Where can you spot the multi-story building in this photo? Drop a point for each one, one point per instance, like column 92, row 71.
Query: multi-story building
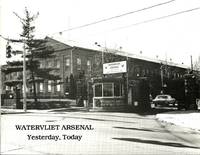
column 81, row 76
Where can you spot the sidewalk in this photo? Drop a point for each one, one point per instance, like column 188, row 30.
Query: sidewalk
column 21, row 111
column 188, row 119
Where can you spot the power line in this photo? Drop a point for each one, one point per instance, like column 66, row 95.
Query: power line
column 4, row 37
column 155, row 19
column 114, row 17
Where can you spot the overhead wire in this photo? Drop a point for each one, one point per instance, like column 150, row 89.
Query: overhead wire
column 158, row 18
column 151, row 20
column 114, row 17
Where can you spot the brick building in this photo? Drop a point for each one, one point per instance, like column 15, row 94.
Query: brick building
column 81, row 76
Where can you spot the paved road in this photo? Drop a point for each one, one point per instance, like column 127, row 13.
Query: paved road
column 114, row 133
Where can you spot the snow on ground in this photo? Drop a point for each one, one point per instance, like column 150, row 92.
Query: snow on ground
column 189, row 119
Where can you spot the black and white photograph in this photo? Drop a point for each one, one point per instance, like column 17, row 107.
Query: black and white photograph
column 107, row 77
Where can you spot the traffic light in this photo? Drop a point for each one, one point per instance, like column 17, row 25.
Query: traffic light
column 8, row 50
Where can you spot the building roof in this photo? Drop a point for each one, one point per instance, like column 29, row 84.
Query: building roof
column 94, row 47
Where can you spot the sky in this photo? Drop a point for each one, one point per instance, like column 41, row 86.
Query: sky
column 174, row 38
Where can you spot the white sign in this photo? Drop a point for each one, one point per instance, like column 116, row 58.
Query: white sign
column 114, row 67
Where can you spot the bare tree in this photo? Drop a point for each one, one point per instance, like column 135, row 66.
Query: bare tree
column 197, row 64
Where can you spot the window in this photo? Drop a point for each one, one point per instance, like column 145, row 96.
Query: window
column 49, row 63
column 19, row 75
column 98, row 90
column 8, row 77
column 57, row 63
column 31, row 88
column 107, row 89
column 98, row 60
column 89, row 65
column 14, row 75
column 174, row 75
column 42, row 64
column 78, row 60
column 11, row 76
column 67, row 62
column 41, row 87
column 7, row 88
column 49, row 86
column 58, row 85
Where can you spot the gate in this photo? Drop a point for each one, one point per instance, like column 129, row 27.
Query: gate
column 140, row 93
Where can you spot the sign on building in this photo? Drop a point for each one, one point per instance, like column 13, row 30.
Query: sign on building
column 115, row 67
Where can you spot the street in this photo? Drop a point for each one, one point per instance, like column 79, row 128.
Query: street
column 101, row 133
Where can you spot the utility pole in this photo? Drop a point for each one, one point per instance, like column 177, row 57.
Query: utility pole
column 24, row 77
column 71, row 60
column 161, row 76
column 102, row 57
column 161, row 73
column 0, row 86
column 191, row 63
column 127, row 80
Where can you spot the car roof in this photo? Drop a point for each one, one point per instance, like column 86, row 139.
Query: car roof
column 163, row 95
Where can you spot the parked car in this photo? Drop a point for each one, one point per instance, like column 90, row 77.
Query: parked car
column 165, row 101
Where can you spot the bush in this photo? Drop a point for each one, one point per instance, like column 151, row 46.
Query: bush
column 48, row 105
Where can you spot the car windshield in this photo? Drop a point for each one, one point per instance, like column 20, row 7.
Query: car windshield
column 162, row 97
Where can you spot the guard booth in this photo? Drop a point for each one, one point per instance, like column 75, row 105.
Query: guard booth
column 108, row 94
column 109, row 90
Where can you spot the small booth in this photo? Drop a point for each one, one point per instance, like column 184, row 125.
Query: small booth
column 109, row 89
column 108, row 94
